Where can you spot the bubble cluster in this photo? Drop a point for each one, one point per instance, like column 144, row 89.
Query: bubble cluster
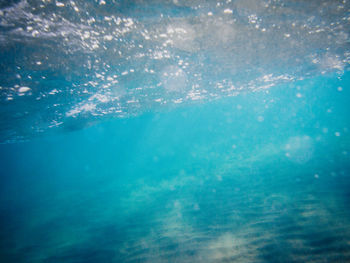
column 154, row 54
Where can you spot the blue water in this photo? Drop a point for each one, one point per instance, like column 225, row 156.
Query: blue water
column 241, row 155
column 206, row 183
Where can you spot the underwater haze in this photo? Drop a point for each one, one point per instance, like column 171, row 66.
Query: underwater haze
column 174, row 131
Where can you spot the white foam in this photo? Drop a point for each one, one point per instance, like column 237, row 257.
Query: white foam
column 23, row 89
column 108, row 37
column 174, row 78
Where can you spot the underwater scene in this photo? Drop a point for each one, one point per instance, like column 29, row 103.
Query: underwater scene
column 174, row 131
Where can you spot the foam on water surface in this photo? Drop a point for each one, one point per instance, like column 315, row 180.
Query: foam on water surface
column 115, row 59
column 174, row 131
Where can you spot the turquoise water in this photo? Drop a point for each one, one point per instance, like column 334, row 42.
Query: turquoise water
column 240, row 155
column 204, row 183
